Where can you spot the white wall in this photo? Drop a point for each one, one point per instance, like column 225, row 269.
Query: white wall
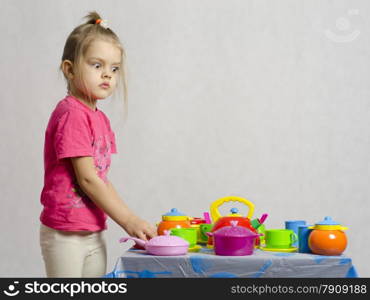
column 247, row 98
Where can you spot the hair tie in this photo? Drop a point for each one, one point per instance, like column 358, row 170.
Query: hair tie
column 102, row 23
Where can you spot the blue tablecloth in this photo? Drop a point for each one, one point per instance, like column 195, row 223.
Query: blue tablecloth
column 137, row 264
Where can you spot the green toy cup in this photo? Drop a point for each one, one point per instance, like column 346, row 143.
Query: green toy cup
column 280, row 238
column 204, row 228
column 189, row 234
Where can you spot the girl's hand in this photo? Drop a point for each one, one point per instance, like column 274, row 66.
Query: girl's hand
column 136, row 227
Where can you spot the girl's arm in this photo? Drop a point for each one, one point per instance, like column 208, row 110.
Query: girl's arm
column 105, row 197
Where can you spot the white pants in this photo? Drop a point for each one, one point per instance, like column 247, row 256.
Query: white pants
column 73, row 254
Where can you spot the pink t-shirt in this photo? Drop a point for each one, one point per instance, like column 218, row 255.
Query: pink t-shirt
column 74, row 129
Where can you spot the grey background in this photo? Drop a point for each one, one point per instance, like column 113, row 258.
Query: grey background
column 268, row 100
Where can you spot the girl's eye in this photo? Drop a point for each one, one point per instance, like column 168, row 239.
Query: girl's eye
column 96, row 65
column 115, row 69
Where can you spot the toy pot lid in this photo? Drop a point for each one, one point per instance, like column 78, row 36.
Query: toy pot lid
column 234, row 212
column 328, row 224
column 174, row 215
column 167, row 240
column 234, row 231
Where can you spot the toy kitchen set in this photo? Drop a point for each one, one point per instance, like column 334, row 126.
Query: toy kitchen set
column 238, row 235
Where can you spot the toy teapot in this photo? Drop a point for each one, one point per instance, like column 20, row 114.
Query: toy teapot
column 234, row 216
column 173, row 219
column 327, row 238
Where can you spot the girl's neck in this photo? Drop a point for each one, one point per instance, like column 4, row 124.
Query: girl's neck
column 91, row 104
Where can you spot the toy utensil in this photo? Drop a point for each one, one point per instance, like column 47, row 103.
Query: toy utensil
column 263, row 218
column 256, row 223
column 207, row 217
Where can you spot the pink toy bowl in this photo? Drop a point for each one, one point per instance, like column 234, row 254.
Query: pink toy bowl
column 234, row 240
column 162, row 245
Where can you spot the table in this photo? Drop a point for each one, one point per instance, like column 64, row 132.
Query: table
column 136, row 263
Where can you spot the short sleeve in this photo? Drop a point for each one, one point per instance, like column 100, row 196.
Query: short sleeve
column 73, row 136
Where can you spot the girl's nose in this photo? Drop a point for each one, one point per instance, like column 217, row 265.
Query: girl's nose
column 107, row 74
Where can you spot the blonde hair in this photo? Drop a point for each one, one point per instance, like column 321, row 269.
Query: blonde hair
column 79, row 41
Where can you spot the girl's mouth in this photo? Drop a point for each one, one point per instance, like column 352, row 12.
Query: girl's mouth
column 105, row 85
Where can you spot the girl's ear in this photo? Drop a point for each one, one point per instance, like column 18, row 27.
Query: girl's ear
column 67, row 68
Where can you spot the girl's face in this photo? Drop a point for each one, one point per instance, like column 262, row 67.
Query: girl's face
column 99, row 71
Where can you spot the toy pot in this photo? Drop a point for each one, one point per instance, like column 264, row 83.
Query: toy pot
column 220, row 221
column 327, row 238
column 164, row 245
column 173, row 219
column 233, row 240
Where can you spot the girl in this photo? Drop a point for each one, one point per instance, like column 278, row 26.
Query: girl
column 77, row 195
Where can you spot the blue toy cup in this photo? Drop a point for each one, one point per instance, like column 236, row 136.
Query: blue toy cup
column 303, row 234
column 293, row 225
